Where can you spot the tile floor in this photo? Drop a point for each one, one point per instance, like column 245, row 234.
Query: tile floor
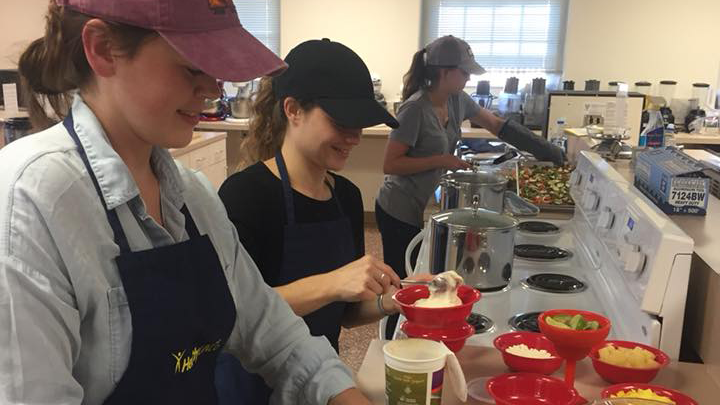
column 354, row 342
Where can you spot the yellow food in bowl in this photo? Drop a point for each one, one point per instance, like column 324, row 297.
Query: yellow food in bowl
column 643, row 394
column 622, row 356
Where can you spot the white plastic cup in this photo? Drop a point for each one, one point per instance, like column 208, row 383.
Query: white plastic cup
column 415, row 370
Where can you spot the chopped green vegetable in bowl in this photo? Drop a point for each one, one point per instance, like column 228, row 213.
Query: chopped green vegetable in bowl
column 577, row 322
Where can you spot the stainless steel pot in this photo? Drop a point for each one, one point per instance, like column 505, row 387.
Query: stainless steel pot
column 240, row 107
column 463, row 188
column 477, row 243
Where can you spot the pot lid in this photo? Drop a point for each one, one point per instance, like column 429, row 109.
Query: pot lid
column 475, row 177
column 475, row 219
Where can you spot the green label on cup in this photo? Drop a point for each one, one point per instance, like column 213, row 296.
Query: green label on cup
column 402, row 388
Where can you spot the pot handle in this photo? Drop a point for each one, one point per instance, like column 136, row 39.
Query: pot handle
column 408, row 252
column 518, row 206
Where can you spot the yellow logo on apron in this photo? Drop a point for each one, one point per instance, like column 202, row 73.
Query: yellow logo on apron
column 185, row 363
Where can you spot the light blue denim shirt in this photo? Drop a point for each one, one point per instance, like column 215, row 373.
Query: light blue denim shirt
column 65, row 327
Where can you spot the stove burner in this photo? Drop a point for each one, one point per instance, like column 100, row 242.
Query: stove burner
column 554, row 283
column 541, row 253
column 527, row 322
column 481, row 323
column 538, row 228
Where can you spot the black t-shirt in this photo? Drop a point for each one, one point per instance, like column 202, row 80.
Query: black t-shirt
column 254, row 201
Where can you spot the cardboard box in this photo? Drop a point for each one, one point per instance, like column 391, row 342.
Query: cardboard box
column 674, row 181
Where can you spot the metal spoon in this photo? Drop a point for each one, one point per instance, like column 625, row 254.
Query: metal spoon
column 438, row 283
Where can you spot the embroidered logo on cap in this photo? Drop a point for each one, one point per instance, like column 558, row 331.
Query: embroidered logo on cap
column 219, row 6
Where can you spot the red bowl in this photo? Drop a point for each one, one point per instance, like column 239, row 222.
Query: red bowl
column 532, row 340
column 677, row 397
column 531, row 389
column 435, row 317
column 454, row 338
column 574, row 344
column 619, row 374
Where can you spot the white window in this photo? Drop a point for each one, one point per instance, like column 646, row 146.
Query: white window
column 262, row 19
column 522, row 38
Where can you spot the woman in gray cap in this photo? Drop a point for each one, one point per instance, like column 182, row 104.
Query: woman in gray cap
column 420, row 150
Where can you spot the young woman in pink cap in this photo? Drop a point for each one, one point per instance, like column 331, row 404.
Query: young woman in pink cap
column 121, row 278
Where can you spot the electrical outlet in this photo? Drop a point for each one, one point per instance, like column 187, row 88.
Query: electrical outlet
column 593, row 120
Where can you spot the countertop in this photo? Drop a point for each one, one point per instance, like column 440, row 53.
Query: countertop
column 703, row 229
column 199, row 139
column 378, row 131
column 681, row 138
column 482, row 362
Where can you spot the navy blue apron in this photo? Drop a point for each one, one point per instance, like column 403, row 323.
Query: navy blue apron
column 308, row 249
column 182, row 314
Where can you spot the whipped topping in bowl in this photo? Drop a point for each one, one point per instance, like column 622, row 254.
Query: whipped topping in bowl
column 442, row 294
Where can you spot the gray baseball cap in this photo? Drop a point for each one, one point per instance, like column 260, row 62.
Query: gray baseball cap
column 452, row 52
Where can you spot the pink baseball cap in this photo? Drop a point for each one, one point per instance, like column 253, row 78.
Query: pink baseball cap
column 207, row 33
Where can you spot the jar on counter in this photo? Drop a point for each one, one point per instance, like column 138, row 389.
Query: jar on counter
column 16, row 128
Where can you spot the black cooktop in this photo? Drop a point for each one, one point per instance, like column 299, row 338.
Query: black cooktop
column 538, row 227
column 541, row 253
column 555, row 283
column 480, row 322
column 527, row 322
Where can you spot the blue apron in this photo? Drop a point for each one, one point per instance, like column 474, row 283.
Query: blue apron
column 181, row 310
column 308, row 249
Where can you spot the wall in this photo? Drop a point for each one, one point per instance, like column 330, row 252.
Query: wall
column 22, row 21
column 385, row 33
column 643, row 40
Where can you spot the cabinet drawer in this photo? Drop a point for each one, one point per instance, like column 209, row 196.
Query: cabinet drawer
column 217, row 151
column 216, row 173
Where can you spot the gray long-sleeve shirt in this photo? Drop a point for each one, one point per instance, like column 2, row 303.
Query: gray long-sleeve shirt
column 65, row 325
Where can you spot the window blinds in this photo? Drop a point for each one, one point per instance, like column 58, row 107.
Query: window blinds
column 516, row 35
column 262, row 19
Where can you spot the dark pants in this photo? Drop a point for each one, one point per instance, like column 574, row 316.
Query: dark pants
column 396, row 236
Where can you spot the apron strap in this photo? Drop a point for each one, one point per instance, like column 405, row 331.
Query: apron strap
column 118, row 232
column 190, row 226
column 287, row 190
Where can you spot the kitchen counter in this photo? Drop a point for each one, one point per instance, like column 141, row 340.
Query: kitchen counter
column 703, row 229
column 378, row 131
column 199, row 140
column 689, row 378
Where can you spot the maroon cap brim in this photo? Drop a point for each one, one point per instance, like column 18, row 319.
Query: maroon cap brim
column 230, row 54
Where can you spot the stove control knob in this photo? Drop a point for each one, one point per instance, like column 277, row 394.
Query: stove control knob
column 590, row 201
column 575, row 178
column 606, row 219
column 633, row 258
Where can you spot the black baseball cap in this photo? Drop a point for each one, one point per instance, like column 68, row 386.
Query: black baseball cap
column 336, row 79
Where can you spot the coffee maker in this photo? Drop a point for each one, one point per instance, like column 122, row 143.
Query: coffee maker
column 698, row 102
column 535, row 105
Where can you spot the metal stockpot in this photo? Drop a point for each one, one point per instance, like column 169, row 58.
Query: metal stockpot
column 463, row 188
column 477, row 243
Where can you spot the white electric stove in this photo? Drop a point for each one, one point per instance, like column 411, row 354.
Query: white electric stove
column 622, row 257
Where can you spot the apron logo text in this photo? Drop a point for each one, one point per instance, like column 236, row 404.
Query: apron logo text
column 185, row 363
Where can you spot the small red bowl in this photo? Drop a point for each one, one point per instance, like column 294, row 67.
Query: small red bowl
column 435, row 317
column 677, row 397
column 619, row 374
column 531, row 389
column 454, row 338
column 574, row 344
column 530, row 365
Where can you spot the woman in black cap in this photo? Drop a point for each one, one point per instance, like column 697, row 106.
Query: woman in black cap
column 301, row 223
column 420, row 150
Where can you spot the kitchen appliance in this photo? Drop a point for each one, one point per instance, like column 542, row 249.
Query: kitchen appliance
column 15, row 128
column 643, row 87
column 592, row 85
column 509, row 101
column 666, row 90
column 476, row 243
column 482, row 94
column 240, row 104
column 215, row 109
column 377, row 90
column 613, row 86
column 568, row 85
column 535, row 105
column 580, row 108
column 698, row 103
column 612, row 145
column 633, row 260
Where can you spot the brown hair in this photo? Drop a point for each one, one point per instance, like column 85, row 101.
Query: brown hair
column 268, row 125
column 55, row 65
column 420, row 76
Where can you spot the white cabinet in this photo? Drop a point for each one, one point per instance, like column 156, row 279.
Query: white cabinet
column 207, row 153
